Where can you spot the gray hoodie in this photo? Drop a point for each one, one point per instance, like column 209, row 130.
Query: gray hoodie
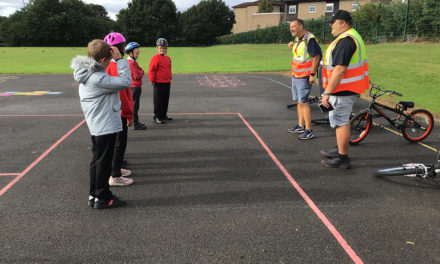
column 99, row 95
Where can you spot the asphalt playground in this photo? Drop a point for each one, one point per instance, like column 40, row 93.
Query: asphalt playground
column 222, row 183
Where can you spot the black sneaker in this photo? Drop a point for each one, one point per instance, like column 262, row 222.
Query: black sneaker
column 168, row 118
column 107, row 204
column 337, row 162
column 138, row 127
column 331, row 153
column 157, row 120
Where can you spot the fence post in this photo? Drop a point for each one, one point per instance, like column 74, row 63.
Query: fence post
column 406, row 21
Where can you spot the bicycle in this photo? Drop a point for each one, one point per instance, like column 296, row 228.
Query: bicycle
column 412, row 170
column 415, row 126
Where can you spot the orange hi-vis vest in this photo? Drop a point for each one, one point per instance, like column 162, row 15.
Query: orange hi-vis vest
column 302, row 62
column 356, row 77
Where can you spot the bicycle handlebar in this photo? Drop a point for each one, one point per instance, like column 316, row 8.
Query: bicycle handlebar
column 372, row 85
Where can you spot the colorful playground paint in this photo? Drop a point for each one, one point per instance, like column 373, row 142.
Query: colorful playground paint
column 220, row 81
column 34, row 93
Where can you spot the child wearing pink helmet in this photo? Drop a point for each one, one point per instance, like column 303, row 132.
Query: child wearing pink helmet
column 119, row 175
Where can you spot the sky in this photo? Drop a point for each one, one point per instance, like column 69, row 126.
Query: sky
column 7, row 7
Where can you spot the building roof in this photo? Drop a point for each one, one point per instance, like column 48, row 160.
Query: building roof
column 246, row 4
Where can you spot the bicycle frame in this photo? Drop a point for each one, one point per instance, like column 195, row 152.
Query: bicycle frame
column 378, row 108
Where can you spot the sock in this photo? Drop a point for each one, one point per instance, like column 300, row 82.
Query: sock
column 343, row 157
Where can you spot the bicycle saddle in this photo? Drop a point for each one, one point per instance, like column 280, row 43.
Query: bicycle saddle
column 407, row 104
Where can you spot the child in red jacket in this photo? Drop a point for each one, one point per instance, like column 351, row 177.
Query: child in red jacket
column 133, row 50
column 119, row 174
column 160, row 77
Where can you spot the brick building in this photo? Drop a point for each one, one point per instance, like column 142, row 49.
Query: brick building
column 307, row 9
column 247, row 17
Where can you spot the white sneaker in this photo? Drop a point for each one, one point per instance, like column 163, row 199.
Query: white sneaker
column 119, row 181
column 125, row 173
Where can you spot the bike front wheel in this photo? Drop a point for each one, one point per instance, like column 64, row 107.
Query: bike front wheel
column 418, row 125
column 360, row 126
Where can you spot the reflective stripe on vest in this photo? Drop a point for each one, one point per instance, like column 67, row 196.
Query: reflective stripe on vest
column 302, row 62
column 356, row 77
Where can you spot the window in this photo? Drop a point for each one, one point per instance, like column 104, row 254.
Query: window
column 355, row 6
column 329, row 8
column 312, row 8
column 292, row 9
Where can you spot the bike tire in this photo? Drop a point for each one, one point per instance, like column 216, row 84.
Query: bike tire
column 360, row 126
column 398, row 171
column 419, row 126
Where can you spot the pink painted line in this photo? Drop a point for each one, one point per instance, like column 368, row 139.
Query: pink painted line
column 180, row 114
column 50, row 115
column 9, row 174
column 306, row 198
column 33, row 164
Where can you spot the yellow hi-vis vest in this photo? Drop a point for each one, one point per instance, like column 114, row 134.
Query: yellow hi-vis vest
column 356, row 77
column 302, row 62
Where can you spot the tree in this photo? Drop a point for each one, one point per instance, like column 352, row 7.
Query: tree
column 55, row 23
column 202, row 23
column 264, row 6
column 145, row 21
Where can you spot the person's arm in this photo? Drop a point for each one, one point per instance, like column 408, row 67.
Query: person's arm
column 315, row 65
column 314, row 51
column 152, row 70
column 120, row 82
column 134, row 71
column 334, row 81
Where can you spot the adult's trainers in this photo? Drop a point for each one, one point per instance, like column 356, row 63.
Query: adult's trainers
column 306, row 134
column 125, row 172
column 119, row 181
column 296, row 130
column 107, row 204
column 331, row 153
column 337, row 162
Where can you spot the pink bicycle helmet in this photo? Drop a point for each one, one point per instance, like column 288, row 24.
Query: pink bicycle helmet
column 114, row 38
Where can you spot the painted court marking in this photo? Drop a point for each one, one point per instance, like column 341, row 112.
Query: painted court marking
column 289, row 177
column 34, row 93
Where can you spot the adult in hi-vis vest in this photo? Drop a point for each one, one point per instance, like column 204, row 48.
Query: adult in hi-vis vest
column 345, row 77
column 306, row 56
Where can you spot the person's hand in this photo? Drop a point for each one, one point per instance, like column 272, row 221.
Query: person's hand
column 153, row 83
column 129, row 123
column 324, row 100
column 290, row 45
column 116, row 55
column 312, row 79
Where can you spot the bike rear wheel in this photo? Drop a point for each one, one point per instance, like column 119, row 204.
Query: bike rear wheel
column 418, row 126
column 399, row 171
column 360, row 126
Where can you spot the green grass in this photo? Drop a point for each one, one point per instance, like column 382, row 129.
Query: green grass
column 411, row 69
